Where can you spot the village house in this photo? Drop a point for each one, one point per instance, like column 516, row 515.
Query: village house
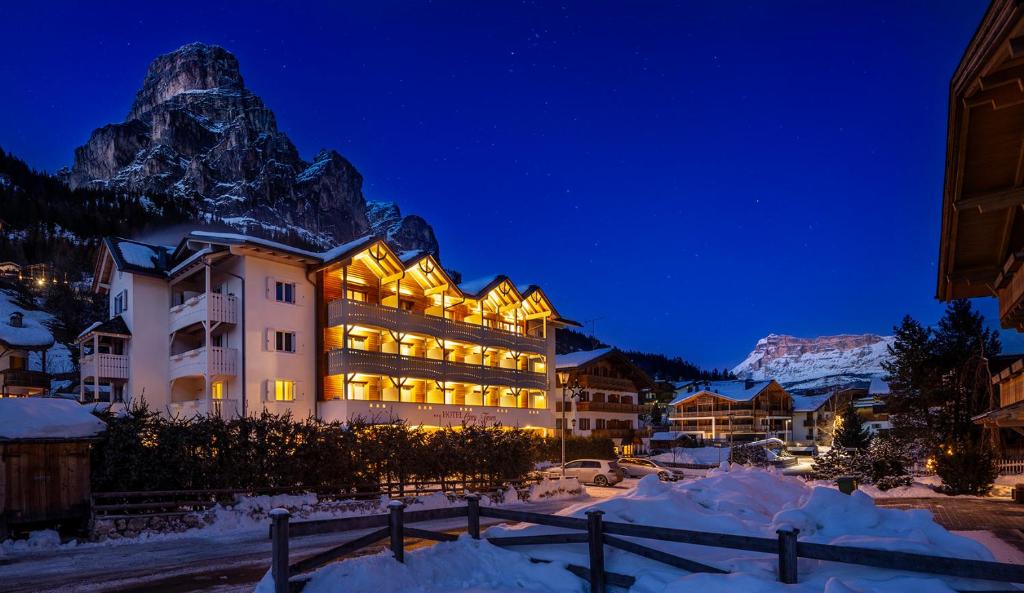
column 21, row 337
column 608, row 388
column 230, row 324
column 982, row 238
column 743, row 410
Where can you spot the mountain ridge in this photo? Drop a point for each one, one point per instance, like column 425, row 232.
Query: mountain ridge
column 807, row 364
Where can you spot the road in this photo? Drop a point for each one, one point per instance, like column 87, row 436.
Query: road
column 211, row 563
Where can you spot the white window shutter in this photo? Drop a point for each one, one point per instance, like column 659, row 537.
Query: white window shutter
column 268, row 339
column 298, row 390
column 270, row 288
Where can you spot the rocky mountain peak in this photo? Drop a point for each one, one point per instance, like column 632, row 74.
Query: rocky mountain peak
column 815, row 363
column 196, row 132
column 192, row 67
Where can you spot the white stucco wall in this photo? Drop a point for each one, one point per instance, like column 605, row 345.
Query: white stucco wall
column 148, row 350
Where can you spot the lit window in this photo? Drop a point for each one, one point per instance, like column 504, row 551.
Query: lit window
column 284, row 341
column 284, row 391
column 217, row 390
column 356, row 295
column 284, row 292
column 357, row 390
column 357, row 342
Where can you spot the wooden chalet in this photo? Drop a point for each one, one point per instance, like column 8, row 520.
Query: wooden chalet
column 736, row 410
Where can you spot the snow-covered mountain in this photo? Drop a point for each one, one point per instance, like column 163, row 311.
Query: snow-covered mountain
column 814, row 363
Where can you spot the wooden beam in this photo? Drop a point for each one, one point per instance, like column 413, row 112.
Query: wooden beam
column 393, row 277
column 540, row 315
column 440, row 288
column 990, row 201
column 1004, row 241
column 1013, row 74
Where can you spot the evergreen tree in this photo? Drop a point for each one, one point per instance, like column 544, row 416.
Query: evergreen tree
column 851, row 433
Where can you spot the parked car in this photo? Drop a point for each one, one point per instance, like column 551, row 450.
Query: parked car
column 637, row 467
column 589, row 471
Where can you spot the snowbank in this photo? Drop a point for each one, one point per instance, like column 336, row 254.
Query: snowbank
column 757, row 502
column 554, row 489
column 46, row 418
column 463, row 565
column 696, row 456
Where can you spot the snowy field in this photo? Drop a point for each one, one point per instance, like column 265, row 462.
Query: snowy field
column 742, row 501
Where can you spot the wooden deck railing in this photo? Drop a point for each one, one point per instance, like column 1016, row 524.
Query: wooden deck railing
column 354, row 360
column 598, row 533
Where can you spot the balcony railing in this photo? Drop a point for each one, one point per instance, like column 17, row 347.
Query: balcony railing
column 735, row 413
column 24, row 378
column 104, row 366
column 223, row 408
column 341, row 311
column 350, row 360
column 193, row 363
column 600, row 407
column 612, row 433
column 609, row 383
column 222, row 308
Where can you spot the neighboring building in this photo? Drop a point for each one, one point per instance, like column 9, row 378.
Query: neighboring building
column 814, row 415
column 610, row 387
column 230, row 324
column 738, row 410
column 10, row 270
column 982, row 234
column 21, row 336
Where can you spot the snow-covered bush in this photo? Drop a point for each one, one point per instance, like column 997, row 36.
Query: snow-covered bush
column 885, row 464
column 750, row 455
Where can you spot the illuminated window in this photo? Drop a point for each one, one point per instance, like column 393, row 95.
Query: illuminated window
column 356, row 390
column 217, row 390
column 356, row 295
column 284, row 390
column 358, row 342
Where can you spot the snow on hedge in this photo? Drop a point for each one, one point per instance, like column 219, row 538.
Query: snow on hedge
column 739, row 500
column 46, row 418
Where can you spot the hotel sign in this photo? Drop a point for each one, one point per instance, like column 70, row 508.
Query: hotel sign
column 445, row 417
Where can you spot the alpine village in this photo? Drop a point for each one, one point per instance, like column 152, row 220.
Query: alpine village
column 225, row 367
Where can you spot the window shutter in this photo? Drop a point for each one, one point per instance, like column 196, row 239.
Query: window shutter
column 298, row 390
column 270, row 288
column 268, row 339
column 268, row 385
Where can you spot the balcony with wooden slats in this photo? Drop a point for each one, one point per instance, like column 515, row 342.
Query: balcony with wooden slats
column 352, row 360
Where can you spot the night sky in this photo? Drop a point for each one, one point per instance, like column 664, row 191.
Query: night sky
column 691, row 176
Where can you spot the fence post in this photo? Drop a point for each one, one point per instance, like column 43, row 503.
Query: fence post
column 396, row 523
column 279, row 549
column 473, row 513
column 787, row 555
column 595, row 539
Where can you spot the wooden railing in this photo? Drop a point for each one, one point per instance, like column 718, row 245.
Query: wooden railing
column 353, row 360
column 222, row 308
column 598, row 533
column 600, row 407
column 1010, row 467
column 104, row 366
column 342, row 311
column 610, row 383
column 24, row 378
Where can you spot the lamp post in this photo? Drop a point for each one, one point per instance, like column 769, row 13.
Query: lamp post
column 563, row 382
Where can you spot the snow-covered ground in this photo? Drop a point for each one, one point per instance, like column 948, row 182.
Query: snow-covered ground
column 744, row 501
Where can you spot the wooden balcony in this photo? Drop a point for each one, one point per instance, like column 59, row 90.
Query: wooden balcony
column 104, row 366
column 24, row 379
column 350, row 360
column 222, row 309
column 722, row 414
column 609, row 383
column 193, row 363
column 342, row 311
column 612, row 407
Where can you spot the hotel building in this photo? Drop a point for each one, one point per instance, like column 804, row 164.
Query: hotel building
column 739, row 410
column 230, row 324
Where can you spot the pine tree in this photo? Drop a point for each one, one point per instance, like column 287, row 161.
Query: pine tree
column 851, row 433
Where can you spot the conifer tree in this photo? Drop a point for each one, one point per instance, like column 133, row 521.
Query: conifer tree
column 851, row 433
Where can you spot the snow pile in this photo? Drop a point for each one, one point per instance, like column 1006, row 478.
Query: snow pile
column 463, row 565
column 757, row 502
column 554, row 489
column 710, row 456
column 46, row 418
column 32, row 333
column 46, row 539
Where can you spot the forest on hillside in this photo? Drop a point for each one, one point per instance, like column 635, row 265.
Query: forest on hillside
column 657, row 366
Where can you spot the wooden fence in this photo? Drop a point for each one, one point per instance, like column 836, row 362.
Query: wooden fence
column 598, row 533
column 1010, row 467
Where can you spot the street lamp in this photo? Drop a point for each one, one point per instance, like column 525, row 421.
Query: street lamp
column 563, row 382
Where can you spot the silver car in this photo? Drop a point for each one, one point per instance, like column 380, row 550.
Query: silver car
column 590, row 471
column 637, row 467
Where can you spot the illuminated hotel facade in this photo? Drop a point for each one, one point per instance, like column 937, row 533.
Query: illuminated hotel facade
column 229, row 324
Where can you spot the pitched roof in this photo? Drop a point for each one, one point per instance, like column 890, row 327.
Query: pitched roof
column 481, row 286
column 138, row 257
column 810, row 403
column 115, row 326
column 738, row 391
column 878, row 387
column 577, row 359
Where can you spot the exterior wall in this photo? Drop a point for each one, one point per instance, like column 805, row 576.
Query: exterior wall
column 262, row 312
column 1011, row 390
column 148, row 350
column 801, row 432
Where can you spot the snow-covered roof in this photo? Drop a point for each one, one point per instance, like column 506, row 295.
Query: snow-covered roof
column 236, row 238
column 878, row 387
column 139, row 257
column 115, row 326
column 33, row 333
column 479, row 285
column 738, row 391
column 810, row 403
column 46, row 418
column 670, row 435
column 411, row 255
column 576, row 359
